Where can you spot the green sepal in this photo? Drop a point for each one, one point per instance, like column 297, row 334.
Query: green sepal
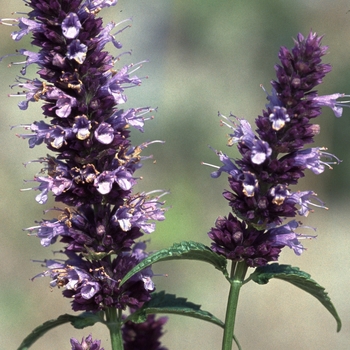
column 164, row 303
column 85, row 319
column 184, row 250
column 91, row 255
column 300, row 279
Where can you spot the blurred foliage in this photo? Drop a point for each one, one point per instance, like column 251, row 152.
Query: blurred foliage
column 204, row 56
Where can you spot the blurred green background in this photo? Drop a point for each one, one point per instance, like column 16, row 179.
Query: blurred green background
column 204, row 56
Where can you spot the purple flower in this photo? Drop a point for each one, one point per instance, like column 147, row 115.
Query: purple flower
column 330, row 101
column 77, row 51
column 303, row 199
column 273, row 159
column 137, row 212
column 309, row 158
column 279, row 117
column 86, row 344
column 285, row 236
column 71, row 26
column 26, row 25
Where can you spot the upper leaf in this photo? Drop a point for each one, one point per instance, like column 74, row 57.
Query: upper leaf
column 300, row 279
column 86, row 319
column 170, row 304
column 184, row 250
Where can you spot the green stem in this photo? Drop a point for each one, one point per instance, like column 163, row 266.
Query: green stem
column 114, row 326
column 238, row 271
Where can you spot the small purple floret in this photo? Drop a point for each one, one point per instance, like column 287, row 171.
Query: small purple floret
column 86, row 344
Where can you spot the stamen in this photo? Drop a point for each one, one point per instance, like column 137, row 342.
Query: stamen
column 4, row 21
column 210, row 165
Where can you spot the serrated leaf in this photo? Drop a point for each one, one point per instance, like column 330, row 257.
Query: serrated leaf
column 84, row 320
column 87, row 319
column 184, row 250
column 300, row 279
column 170, row 304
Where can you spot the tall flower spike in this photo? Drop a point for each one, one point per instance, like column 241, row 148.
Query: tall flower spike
column 275, row 158
column 92, row 167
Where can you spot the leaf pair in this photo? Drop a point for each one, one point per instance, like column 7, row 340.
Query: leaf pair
column 261, row 275
column 170, row 304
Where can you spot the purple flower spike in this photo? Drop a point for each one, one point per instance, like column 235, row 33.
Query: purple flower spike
column 274, row 158
column 81, row 86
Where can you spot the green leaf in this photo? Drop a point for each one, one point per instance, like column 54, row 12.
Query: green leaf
column 87, row 319
column 300, row 279
column 184, row 250
column 84, row 320
column 170, row 304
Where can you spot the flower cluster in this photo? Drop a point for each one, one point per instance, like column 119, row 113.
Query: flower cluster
column 86, row 344
column 144, row 335
column 274, row 158
column 91, row 171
